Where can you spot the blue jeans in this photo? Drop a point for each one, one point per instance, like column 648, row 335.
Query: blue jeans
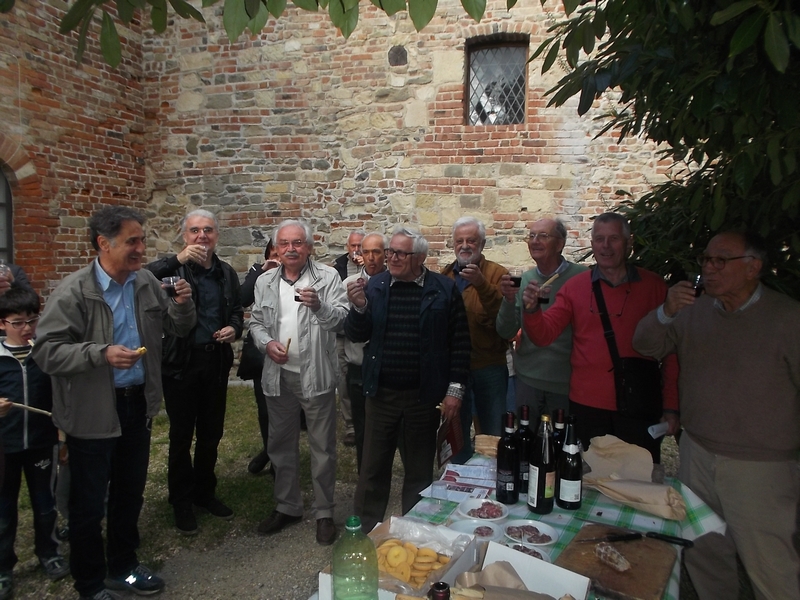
column 119, row 466
column 487, row 391
column 37, row 464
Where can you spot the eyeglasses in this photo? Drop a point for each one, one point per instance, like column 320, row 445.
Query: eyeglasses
column 597, row 312
column 718, row 262
column 543, row 237
column 206, row 230
column 401, row 254
column 20, row 324
column 293, row 243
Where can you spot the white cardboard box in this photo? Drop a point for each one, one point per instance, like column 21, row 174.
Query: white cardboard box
column 468, row 559
column 538, row 575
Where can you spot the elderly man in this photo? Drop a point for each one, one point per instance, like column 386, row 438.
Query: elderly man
column 347, row 265
column 416, row 357
column 195, row 370
column 628, row 294
column 373, row 250
column 739, row 351
column 298, row 307
column 542, row 372
column 100, row 339
column 478, row 281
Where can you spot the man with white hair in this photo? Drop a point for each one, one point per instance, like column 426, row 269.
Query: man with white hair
column 416, row 358
column 298, row 308
column 195, row 370
column 478, row 280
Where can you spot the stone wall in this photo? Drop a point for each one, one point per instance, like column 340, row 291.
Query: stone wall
column 299, row 122
column 295, row 122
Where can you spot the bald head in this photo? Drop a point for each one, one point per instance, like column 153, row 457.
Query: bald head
column 546, row 242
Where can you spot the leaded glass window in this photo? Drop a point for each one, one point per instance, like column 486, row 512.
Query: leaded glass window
column 496, row 84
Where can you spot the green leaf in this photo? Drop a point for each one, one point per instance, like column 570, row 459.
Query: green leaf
column 138, row 3
column 187, row 10
column 720, row 208
column 349, row 4
column 570, row 6
column 158, row 15
column 792, row 22
column 776, row 44
column 421, row 12
column 588, row 37
column 345, row 20
column 311, row 5
column 109, row 41
column 775, row 174
column 685, row 15
column 474, row 8
column 747, row 33
column 390, row 7
column 550, row 58
column 257, row 23
column 744, row 173
column 791, row 198
column 599, row 23
column 251, row 7
column 207, row 3
column 734, row 10
column 76, row 14
column 6, row 5
column 510, row 4
column 588, row 91
column 234, row 18
column 125, row 10
column 84, row 30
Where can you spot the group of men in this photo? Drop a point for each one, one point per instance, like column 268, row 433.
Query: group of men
column 418, row 346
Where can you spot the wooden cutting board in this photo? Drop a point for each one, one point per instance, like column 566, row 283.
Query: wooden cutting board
column 651, row 564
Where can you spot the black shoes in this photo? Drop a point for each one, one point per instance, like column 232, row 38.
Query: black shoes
column 215, row 508
column 326, row 531
column 259, row 462
column 185, row 521
column 55, row 567
column 349, row 439
column 277, row 521
column 141, row 581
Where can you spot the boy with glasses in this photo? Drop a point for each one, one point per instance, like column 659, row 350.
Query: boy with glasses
column 30, row 439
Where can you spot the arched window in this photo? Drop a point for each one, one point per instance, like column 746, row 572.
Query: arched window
column 496, row 79
column 6, row 245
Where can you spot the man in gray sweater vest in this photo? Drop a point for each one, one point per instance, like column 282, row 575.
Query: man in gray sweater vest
column 739, row 352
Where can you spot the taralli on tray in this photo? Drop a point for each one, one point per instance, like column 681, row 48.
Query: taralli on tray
column 407, row 562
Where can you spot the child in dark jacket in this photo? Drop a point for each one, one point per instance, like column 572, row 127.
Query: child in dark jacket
column 30, row 439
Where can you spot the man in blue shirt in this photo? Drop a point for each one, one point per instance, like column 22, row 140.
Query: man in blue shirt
column 100, row 339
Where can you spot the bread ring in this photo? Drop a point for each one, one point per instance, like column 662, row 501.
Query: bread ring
column 141, row 350
column 402, row 571
column 397, row 556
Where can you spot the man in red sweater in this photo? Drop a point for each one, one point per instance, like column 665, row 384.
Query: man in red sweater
column 629, row 293
column 739, row 348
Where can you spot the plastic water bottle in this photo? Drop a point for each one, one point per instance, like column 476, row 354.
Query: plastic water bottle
column 355, row 564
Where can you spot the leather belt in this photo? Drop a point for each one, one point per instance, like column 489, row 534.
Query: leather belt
column 205, row 347
column 131, row 390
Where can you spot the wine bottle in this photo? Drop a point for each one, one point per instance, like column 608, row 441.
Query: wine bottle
column 507, row 490
column 570, row 470
column 439, row 591
column 542, row 470
column 525, row 439
column 558, row 430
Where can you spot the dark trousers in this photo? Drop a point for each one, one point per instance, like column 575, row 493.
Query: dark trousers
column 591, row 422
column 117, row 466
column 395, row 416
column 355, row 386
column 37, row 464
column 485, row 398
column 196, row 408
column 263, row 415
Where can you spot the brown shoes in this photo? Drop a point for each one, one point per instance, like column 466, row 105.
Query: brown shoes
column 326, row 531
column 277, row 521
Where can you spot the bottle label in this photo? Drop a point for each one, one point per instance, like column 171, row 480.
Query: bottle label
column 570, row 491
column 505, row 481
column 549, row 484
column 523, row 469
column 533, row 484
column 571, row 448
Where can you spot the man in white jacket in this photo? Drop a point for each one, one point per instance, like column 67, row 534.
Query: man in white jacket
column 298, row 308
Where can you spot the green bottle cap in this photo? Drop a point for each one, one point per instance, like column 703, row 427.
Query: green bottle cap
column 353, row 522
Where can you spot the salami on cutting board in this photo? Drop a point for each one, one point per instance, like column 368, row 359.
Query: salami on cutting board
column 651, row 564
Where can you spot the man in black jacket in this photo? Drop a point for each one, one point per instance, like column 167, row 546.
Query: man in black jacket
column 195, row 370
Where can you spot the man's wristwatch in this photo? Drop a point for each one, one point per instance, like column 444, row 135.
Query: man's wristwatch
column 456, row 390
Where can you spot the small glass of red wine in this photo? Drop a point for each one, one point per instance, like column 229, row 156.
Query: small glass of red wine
column 169, row 285
column 544, row 294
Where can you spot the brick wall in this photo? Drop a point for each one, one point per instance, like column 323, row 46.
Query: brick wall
column 296, row 122
column 71, row 138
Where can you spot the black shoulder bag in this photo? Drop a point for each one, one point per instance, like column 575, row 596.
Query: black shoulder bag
column 637, row 380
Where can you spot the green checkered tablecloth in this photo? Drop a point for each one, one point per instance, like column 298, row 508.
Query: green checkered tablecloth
column 700, row 519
